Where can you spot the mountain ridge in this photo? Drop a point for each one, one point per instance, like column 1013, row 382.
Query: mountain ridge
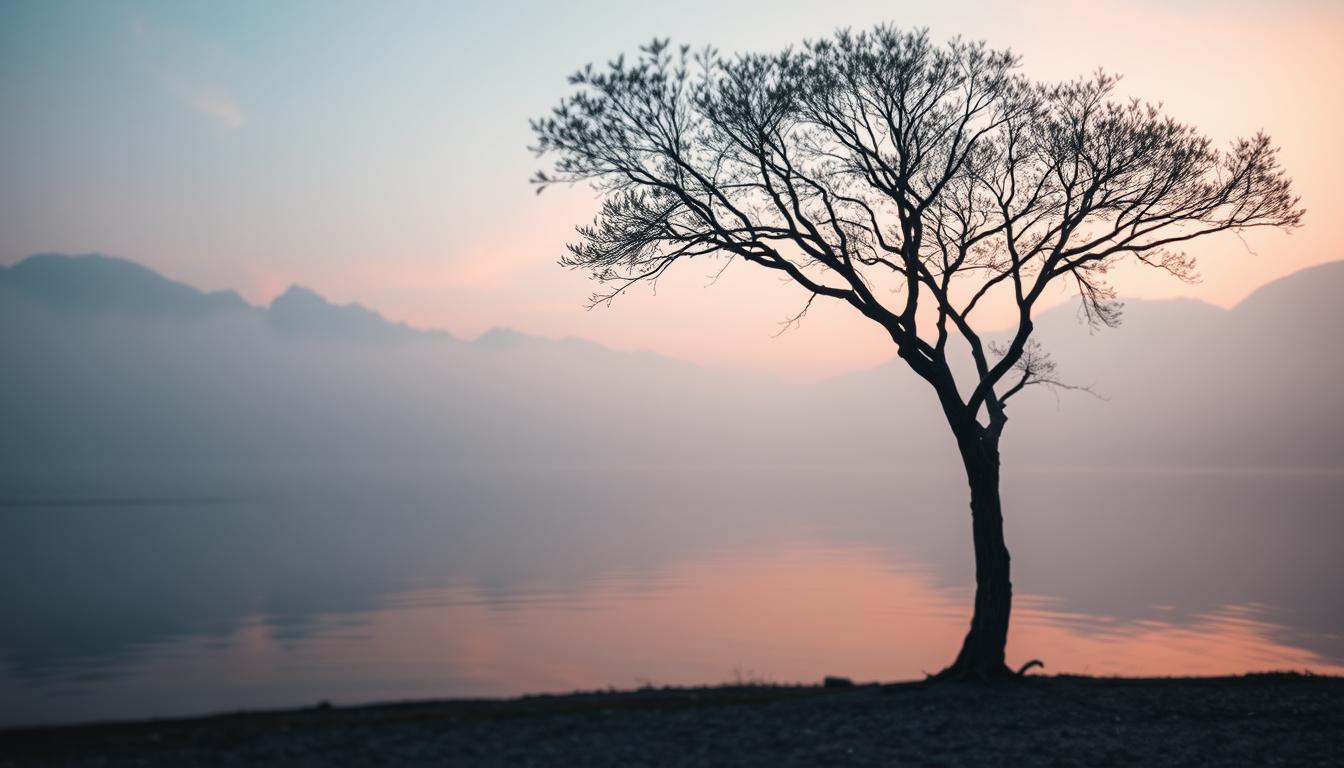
column 97, row 396
column 97, row 282
column 94, row 282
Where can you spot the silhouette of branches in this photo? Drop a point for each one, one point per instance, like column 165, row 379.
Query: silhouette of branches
column 908, row 179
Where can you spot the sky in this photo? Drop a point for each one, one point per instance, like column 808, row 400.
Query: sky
column 379, row 152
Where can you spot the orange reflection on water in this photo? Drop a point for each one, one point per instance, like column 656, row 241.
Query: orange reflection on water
column 790, row 616
column 786, row 615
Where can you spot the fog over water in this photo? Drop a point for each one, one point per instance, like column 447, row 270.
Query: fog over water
column 207, row 505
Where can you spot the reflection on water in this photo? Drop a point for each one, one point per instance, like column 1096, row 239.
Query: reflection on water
column 489, row 584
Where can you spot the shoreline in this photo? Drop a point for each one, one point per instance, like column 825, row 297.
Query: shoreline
column 1264, row 718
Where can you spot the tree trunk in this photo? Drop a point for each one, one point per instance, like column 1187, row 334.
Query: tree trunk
column 983, row 649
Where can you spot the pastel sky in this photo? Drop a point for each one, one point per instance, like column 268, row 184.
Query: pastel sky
column 377, row 152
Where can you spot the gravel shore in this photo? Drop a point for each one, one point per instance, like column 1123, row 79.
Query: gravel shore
column 1269, row 719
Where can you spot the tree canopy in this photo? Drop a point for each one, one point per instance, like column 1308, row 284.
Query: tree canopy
column 908, row 179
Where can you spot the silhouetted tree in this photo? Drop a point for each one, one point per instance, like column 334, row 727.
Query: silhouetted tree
column 911, row 181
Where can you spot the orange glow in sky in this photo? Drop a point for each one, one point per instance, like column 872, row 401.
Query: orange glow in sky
column 400, row 181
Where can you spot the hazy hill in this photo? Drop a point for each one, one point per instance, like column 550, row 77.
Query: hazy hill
column 1179, row 383
column 94, row 284
column 1187, row 383
column 112, row 375
column 127, row 387
column 300, row 312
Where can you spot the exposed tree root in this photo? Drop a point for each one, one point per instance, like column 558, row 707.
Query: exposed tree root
column 960, row 671
column 1022, row 670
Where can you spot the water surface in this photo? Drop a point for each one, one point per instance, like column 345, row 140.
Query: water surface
column 398, row 586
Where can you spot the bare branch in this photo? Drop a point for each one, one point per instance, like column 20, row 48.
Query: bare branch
column 904, row 178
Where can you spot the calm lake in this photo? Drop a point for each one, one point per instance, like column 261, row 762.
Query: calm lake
column 489, row 583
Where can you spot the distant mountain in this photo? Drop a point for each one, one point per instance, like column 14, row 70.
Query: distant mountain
column 301, row 311
column 1298, row 298
column 97, row 283
column 94, row 283
column 1178, row 383
column 136, row 379
column 112, row 375
column 501, row 338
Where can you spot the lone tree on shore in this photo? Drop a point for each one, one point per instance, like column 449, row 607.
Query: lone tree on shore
column 913, row 182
